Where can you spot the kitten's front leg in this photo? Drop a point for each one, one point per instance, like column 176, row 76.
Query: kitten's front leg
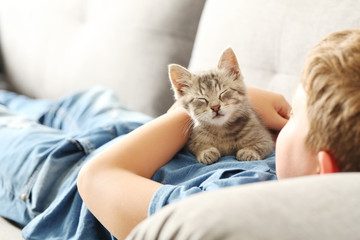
column 247, row 154
column 208, row 156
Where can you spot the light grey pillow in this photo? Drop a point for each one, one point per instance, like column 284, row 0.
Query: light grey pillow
column 315, row 207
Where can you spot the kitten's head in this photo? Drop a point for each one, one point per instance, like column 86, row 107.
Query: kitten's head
column 213, row 97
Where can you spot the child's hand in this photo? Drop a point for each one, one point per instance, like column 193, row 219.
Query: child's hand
column 271, row 107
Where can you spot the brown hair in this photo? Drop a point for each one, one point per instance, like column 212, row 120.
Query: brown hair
column 331, row 79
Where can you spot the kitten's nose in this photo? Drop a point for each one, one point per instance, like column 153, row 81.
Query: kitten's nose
column 215, row 108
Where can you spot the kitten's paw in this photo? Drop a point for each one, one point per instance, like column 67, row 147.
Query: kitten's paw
column 247, row 155
column 209, row 156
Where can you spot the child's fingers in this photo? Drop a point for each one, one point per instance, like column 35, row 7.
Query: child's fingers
column 277, row 121
column 283, row 109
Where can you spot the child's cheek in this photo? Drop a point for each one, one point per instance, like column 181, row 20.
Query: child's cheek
column 283, row 150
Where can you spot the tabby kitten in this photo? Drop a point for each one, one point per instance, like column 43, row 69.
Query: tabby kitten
column 224, row 121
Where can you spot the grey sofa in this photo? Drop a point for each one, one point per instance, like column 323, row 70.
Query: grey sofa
column 50, row 48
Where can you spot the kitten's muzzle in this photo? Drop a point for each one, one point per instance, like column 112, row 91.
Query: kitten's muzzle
column 216, row 108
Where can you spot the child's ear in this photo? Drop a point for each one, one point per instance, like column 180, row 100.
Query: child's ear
column 327, row 163
column 228, row 61
column 180, row 79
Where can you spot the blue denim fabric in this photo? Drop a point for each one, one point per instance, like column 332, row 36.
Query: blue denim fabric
column 43, row 145
column 184, row 176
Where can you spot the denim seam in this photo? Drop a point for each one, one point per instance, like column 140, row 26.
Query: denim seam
column 76, row 143
column 128, row 128
column 28, row 188
column 88, row 146
column 111, row 131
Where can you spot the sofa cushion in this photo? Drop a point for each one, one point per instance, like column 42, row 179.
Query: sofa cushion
column 315, row 207
column 271, row 38
column 51, row 48
column 9, row 231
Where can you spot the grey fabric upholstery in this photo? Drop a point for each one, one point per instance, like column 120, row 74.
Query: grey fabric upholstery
column 271, row 38
column 316, row 207
column 9, row 231
column 51, row 48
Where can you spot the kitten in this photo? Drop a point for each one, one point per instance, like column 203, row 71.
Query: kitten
column 224, row 121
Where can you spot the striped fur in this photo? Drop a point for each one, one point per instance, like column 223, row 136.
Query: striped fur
column 224, row 121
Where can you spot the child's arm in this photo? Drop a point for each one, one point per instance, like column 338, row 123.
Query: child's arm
column 271, row 107
column 115, row 185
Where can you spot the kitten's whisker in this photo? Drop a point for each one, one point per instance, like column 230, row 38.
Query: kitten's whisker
column 188, row 126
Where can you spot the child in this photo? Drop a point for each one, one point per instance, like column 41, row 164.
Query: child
column 44, row 144
column 322, row 136
column 329, row 99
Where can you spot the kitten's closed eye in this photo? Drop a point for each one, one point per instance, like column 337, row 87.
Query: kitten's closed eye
column 198, row 102
column 227, row 95
column 203, row 100
column 221, row 95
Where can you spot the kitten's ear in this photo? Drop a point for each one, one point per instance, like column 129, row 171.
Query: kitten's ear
column 229, row 62
column 180, row 79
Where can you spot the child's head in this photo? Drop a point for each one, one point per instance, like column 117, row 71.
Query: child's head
column 324, row 132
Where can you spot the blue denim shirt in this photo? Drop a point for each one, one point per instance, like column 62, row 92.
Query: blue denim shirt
column 184, row 176
column 43, row 145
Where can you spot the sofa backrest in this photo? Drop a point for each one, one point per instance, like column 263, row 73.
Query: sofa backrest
column 51, row 48
column 270, row 37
